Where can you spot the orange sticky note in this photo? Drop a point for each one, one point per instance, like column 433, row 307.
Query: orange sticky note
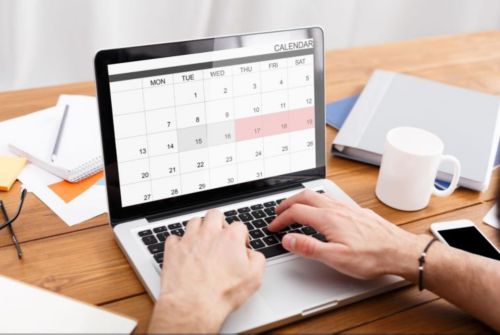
column 68, row 191
column 10, row 167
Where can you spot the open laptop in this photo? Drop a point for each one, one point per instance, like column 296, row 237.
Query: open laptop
column 235, row 123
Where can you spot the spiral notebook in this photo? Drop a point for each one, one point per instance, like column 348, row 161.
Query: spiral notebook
column 79, row 154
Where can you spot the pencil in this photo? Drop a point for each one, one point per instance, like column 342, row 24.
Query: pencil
column 59, row 132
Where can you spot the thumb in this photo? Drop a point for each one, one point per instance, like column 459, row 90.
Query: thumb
column 256, row 269
column 305, row 246
column 257, row 262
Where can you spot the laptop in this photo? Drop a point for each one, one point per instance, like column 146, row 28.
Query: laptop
column 235, row 123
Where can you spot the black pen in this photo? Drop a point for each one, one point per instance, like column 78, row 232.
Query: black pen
column 59, row 132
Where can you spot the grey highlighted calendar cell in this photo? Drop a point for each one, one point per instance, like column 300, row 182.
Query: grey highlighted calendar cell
column 221, row 133
column 192, row 138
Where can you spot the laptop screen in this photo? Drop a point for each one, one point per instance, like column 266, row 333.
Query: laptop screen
column 195, row 122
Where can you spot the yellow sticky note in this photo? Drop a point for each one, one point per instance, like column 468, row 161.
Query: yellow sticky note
column 10, row 167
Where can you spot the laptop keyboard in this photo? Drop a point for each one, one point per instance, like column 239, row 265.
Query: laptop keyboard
column 256, row 217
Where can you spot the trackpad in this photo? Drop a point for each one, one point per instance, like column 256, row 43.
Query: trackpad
column 293, row 286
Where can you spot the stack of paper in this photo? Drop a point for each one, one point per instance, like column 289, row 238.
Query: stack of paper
column 72, row 202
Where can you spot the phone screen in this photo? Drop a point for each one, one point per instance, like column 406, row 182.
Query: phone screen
column 471, row 240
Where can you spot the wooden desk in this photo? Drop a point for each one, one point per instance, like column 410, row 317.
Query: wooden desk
column 85, row 263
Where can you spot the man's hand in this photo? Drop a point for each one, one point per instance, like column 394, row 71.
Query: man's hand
column 207, row 274
column 360, row 243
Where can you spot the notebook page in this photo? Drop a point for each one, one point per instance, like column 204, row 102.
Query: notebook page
column 37, row 132
column 80, row 140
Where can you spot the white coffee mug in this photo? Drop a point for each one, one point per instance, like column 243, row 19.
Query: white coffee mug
column 409, row 166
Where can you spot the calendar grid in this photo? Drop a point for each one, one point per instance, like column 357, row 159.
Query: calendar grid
column 215, row 127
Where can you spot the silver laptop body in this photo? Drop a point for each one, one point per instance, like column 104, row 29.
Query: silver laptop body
column 236, row 123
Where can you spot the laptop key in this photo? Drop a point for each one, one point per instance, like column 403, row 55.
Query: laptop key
column 174, row 226
column 245, row 217
column 151, row 239
column 178, row 232
column 256, row 207
column 145, row 233
column 231, row 219
column 309, row 230
column 320, row 191
column 160, row 229
column 267, row 232
column 249, row 226
column 272, row 251
column 270, row 219
column 279, row 201
column 185, row 223
column 158, row 257
column 269, row 204
column 259, row 223
column 296, row 226
column 320, row 237
column 244, row 210
column 164, row 234
column 230, row 213
column 280, row 236
column 257, row 244
column 256, row 233
column 258, row 214
column 270, row 240
column 270, row 211
column 156, row 248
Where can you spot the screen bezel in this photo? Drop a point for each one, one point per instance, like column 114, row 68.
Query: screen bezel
column 119, row 214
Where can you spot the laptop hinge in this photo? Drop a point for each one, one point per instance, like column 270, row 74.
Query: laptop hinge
column 225, row 201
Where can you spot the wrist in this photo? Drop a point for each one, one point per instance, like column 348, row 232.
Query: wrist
column 404, row 255
column 177, row 313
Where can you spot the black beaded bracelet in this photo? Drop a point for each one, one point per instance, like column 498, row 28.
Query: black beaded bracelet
column 421, row 262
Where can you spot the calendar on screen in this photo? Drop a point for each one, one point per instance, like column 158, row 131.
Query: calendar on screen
column 190, row 123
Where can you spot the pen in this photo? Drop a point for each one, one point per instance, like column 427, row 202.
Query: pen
column 59, row 132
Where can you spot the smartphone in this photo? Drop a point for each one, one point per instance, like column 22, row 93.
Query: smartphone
column 463, row 234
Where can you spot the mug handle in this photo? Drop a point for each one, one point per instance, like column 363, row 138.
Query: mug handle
column 454, row 180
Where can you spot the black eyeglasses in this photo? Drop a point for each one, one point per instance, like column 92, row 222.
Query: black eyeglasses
column 9, row 221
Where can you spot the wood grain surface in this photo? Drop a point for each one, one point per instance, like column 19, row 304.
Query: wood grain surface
column 85, row 263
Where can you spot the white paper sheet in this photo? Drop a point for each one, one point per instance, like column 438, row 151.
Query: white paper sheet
column 89, row 204
column 29, row 309
column 491, row 218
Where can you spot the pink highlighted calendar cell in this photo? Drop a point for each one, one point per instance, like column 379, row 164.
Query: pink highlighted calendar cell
column 248, row 128
column 301, row 119
column 274, row 123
